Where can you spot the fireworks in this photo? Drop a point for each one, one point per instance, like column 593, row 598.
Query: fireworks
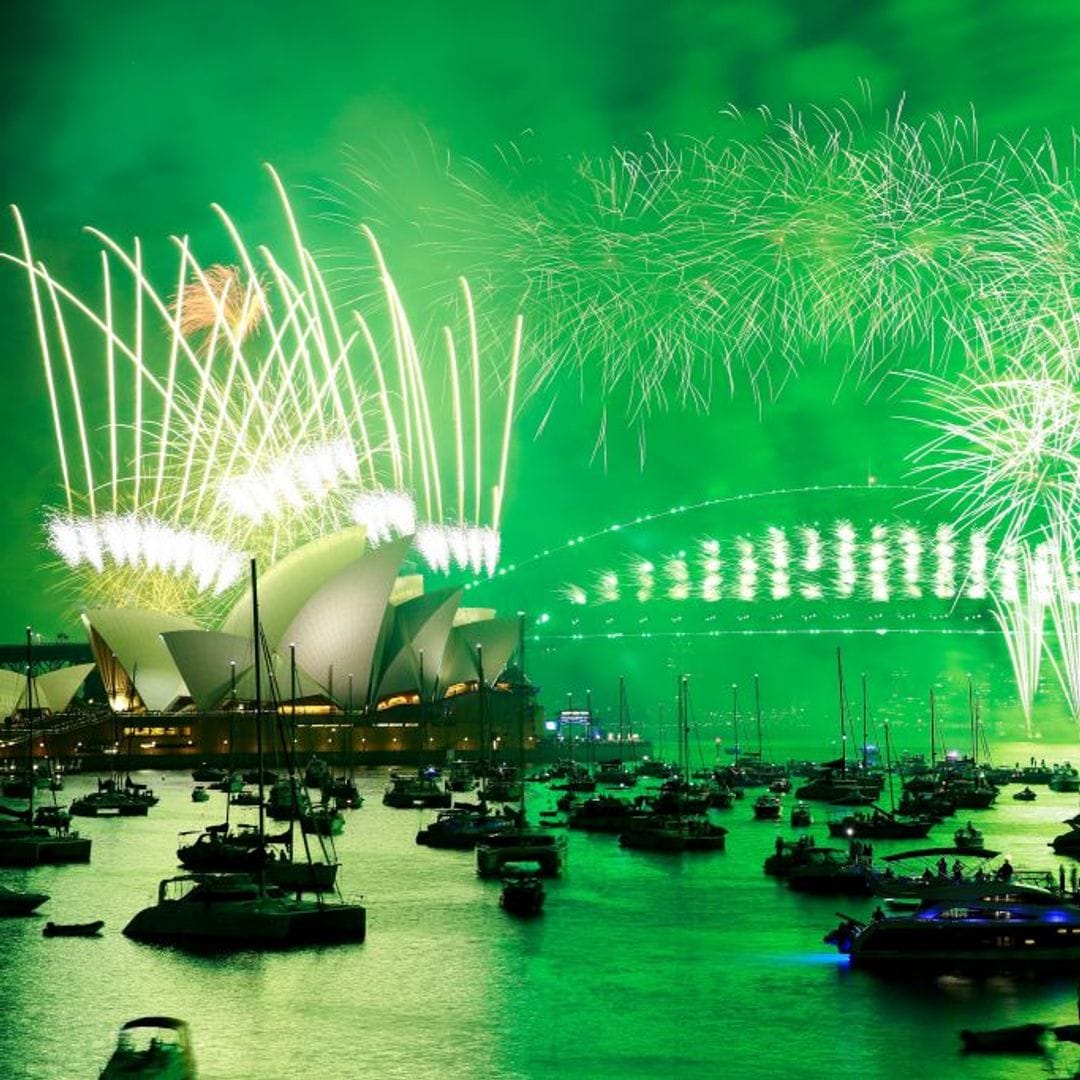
column 235, row 424
column 219, row 298
column 661, row 274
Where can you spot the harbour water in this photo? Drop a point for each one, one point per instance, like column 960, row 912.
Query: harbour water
column 642, row 965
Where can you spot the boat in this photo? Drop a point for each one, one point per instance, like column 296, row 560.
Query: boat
column 323, row 820
column 801, row 816
column 800, row 852
column 14, row 903
column 113, row 800
column 679, row 828
column 1025, row 794
column 614, row 772
column 1019, row 1039
column 876, row 823
column 245, row 797
column 200, row 794
column 767, row 808
column 991, row 933
column 343, row 792
column 602, row 813
column 825, row 871
column 406, row 791
column 26, row 844
column 968, row 838
column 1064, row 778
column 208, row 774
column 655, row 832
column 546, row 849
column 287, row 800
column 152, row 1048
column 238, row 911
column 834, row 782
column 462, row 828
column 227, row 849
column 89, row 929
column 1068, row 843
column 523, row 890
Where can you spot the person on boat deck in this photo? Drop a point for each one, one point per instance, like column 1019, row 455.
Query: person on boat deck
column 957, row 871
column 928, row 875
column 878, row 915
column 980, row 874
column 942, row 868
column 1005, row 871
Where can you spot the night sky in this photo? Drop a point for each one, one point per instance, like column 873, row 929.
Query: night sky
column 134, row 118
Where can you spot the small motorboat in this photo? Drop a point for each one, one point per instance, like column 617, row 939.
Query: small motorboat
column 200, row 794
column 968, row 838
column 89, row 929
column 19, row 903
column 801, row 816
column 1025, row 795
column 152, row 1046
column 1020, row 1039
column 767, row 808
column 522, row 891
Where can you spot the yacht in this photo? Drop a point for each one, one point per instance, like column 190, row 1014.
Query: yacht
column 461, row 829
column 652, row 832
column 406, row 792
column 233, row 911
column 547, row 849
column 990, row 932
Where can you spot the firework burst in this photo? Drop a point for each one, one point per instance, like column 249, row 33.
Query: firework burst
column 657, row 275
column 235, row 425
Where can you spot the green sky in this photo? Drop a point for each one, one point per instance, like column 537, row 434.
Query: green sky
column 135, row 117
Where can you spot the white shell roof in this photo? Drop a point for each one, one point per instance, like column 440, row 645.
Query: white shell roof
column 497, row 638
column 337, row 632
column 133, row 636
column 54, row 689
column 417, row 626
column 290, row 584
column 12, row 686
column 205, row 660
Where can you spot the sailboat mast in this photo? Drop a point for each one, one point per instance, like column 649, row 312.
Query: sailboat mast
column 933, row 732
column 481, row 701
column 686, row 727
column 30, row 721
column 258, row 701
column 971, row 723
column 735, row 717
column 843, row 719
column 864, row 706
column 622, row 712
column 888, row 768
column 757, row 714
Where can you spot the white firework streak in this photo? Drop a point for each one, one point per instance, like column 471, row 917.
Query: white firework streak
column 1064, row 607
column 662, row 272
column 1020, row 611
column 242, row 419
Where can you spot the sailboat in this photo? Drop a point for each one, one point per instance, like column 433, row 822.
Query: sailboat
column 678, row 831
column 242, row 911
column 615, row 773
column 834, row 782
column 877, row 823
column 542, row 850
column 26, row 844
column 115, row 797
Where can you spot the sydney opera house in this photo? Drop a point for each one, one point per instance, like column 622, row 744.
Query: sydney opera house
column 357, row 658
column 247, row 418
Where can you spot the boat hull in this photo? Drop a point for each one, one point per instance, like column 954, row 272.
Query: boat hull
column 256, row 923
